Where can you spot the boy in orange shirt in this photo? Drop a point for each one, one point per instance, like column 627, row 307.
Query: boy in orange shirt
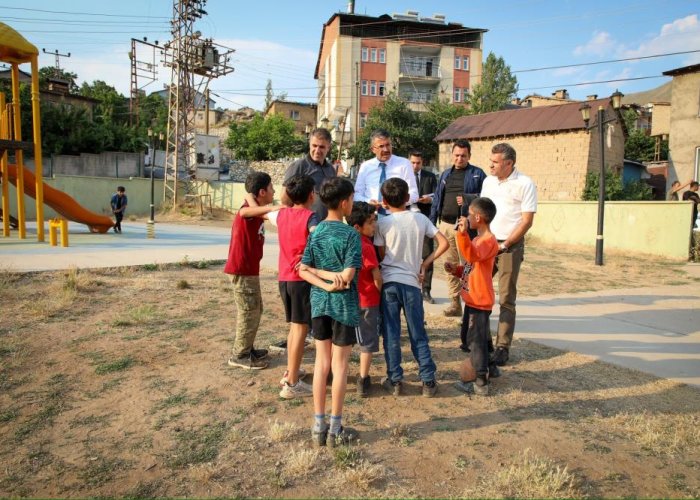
column 477, row 292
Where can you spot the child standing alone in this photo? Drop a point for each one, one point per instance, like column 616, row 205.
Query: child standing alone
column 330, row 263
column 369, row 286
column 477, row 293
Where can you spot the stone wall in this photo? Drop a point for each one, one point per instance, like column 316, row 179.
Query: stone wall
column 556, row 162
column 110, row 164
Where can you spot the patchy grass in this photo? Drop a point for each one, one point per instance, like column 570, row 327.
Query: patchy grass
column 668, row 435
column 117, row 365
column 283, row 432
column 197, row 445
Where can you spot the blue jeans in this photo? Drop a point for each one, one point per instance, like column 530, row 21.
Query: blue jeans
column 397, row 296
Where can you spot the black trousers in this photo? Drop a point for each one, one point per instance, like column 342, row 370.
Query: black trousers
column 428, row 246
column 118, row 216
column 476, row 336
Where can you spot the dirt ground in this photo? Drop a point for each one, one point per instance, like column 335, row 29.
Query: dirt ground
column 114, row 383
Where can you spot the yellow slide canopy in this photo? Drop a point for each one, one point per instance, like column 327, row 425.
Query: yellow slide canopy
column 14, row 48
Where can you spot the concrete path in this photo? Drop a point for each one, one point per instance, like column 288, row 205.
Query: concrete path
column 655, row 330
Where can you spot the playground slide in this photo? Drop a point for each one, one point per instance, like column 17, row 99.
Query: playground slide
column 63, row 203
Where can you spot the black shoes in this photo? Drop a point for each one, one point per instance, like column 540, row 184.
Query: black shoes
column 394, row 388
column 427, row 297
column 363, row 386
column 500, row 357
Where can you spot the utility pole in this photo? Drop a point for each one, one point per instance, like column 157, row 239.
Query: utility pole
column 57, row 64
column 145, row 69
column 188, row 55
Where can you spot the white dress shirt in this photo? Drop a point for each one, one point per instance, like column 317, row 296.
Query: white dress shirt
column 512, row 196
column 367, row 183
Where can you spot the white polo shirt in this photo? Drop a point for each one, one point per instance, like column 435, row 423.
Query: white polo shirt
column 512, row 197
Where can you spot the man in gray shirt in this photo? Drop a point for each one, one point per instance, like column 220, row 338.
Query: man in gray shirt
column 314, row 165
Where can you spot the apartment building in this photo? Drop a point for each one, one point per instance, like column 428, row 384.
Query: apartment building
column 363, row 58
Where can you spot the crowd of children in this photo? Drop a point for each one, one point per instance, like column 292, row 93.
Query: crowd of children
column 347, row 278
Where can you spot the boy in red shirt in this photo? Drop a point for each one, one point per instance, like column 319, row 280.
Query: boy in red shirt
column 294, row 225
column 369, row 285
column 477, row 291
column 243, row 264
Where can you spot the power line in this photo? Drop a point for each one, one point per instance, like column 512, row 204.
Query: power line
column 582, row 84
column 83, row 13
column 606, row 62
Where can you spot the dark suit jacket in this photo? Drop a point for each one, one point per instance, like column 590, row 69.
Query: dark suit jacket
column 427, row 185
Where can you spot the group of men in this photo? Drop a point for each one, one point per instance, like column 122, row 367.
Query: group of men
column 444, row 200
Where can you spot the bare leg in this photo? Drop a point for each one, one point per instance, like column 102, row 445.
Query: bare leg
column 321, row 368
column 295, row 350
column 341, row 355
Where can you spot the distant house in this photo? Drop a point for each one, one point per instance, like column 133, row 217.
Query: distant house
column 535, row 100
column 684, row 137
column 303, row 114
column 200, row 106
column 552, row 143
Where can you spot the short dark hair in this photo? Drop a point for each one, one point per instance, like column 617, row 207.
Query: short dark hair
column 321, row 133
column 462, row 143
column 121, row 189
column 255, row 181
column 674, row 183
column 395, row 192
column 694, row 184
column 380, row 132
column 505, row 150
column 335, row 190
column 484, row 207
column 361, row 213
column 415, row 152
column 299, row 187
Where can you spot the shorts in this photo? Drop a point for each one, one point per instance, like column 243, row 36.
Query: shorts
column 326, row 328
column 368, row 331
column 296, row 297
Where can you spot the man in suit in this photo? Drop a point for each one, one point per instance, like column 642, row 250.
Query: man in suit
column 426, row 182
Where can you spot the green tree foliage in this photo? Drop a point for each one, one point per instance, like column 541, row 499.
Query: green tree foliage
column 638, row 145
column 615, row 190
column 497, row 88
column 50, row 72
column 268, row 94
column 262, row 138
column 409, row 129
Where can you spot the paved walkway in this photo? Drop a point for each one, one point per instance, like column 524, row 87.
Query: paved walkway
column 654, row 330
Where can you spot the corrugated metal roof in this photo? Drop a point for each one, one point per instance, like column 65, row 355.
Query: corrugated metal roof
column 521, row 121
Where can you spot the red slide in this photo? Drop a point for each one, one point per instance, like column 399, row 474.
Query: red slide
column 63, row 204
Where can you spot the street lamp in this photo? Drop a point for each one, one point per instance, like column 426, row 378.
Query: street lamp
column 616, row 101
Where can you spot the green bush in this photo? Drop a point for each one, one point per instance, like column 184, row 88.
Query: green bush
column 614, row 189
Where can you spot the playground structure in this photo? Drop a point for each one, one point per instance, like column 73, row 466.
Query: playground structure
column 16, row 50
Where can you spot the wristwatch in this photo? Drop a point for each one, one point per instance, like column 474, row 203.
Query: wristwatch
column 502, row 247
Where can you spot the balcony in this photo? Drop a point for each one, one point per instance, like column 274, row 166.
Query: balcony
column 417, row 97
column 420, row 68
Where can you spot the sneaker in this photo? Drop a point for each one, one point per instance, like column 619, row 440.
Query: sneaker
column 481, row 387
column 427, row 297
column 285, row 378
column 500, row 357
column 319, row 437
column 494, row 371
column 278, row 347
column 259, row 353
column 248, row 362
column 299, row 390
column 363, row 386
column 345, row 437
column 395, row 388
column 429, row 389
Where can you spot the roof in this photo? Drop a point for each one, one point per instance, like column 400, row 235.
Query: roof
column 693, row 68
column 557, row 118
column 14, row 47
column 662, row 93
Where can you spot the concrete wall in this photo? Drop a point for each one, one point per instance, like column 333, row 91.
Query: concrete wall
column 109, row 164
column 685, row 126
column 652, row 227
column 94, row 194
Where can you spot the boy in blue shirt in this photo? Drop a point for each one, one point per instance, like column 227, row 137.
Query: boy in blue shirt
column 330, row 263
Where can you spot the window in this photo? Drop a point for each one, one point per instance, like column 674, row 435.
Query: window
column 458, row 62
column 458, row 94
column 294, row 114
column 365, row 54
column 364, row 87
column 363, row 120
column 372, row 88
column 382, row 56
column 373, row 55
column 465, row 63
column 382, row 86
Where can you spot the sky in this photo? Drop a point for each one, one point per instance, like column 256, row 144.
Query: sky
column 279, row 40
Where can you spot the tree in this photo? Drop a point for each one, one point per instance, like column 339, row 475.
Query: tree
column 261, row 138
column 269, row 96
column 51, row 72
column 615, row 190
column 497, row 88
column 638, row 145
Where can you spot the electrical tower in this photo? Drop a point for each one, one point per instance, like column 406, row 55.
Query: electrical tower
column 145, row 69
column 193, row 61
